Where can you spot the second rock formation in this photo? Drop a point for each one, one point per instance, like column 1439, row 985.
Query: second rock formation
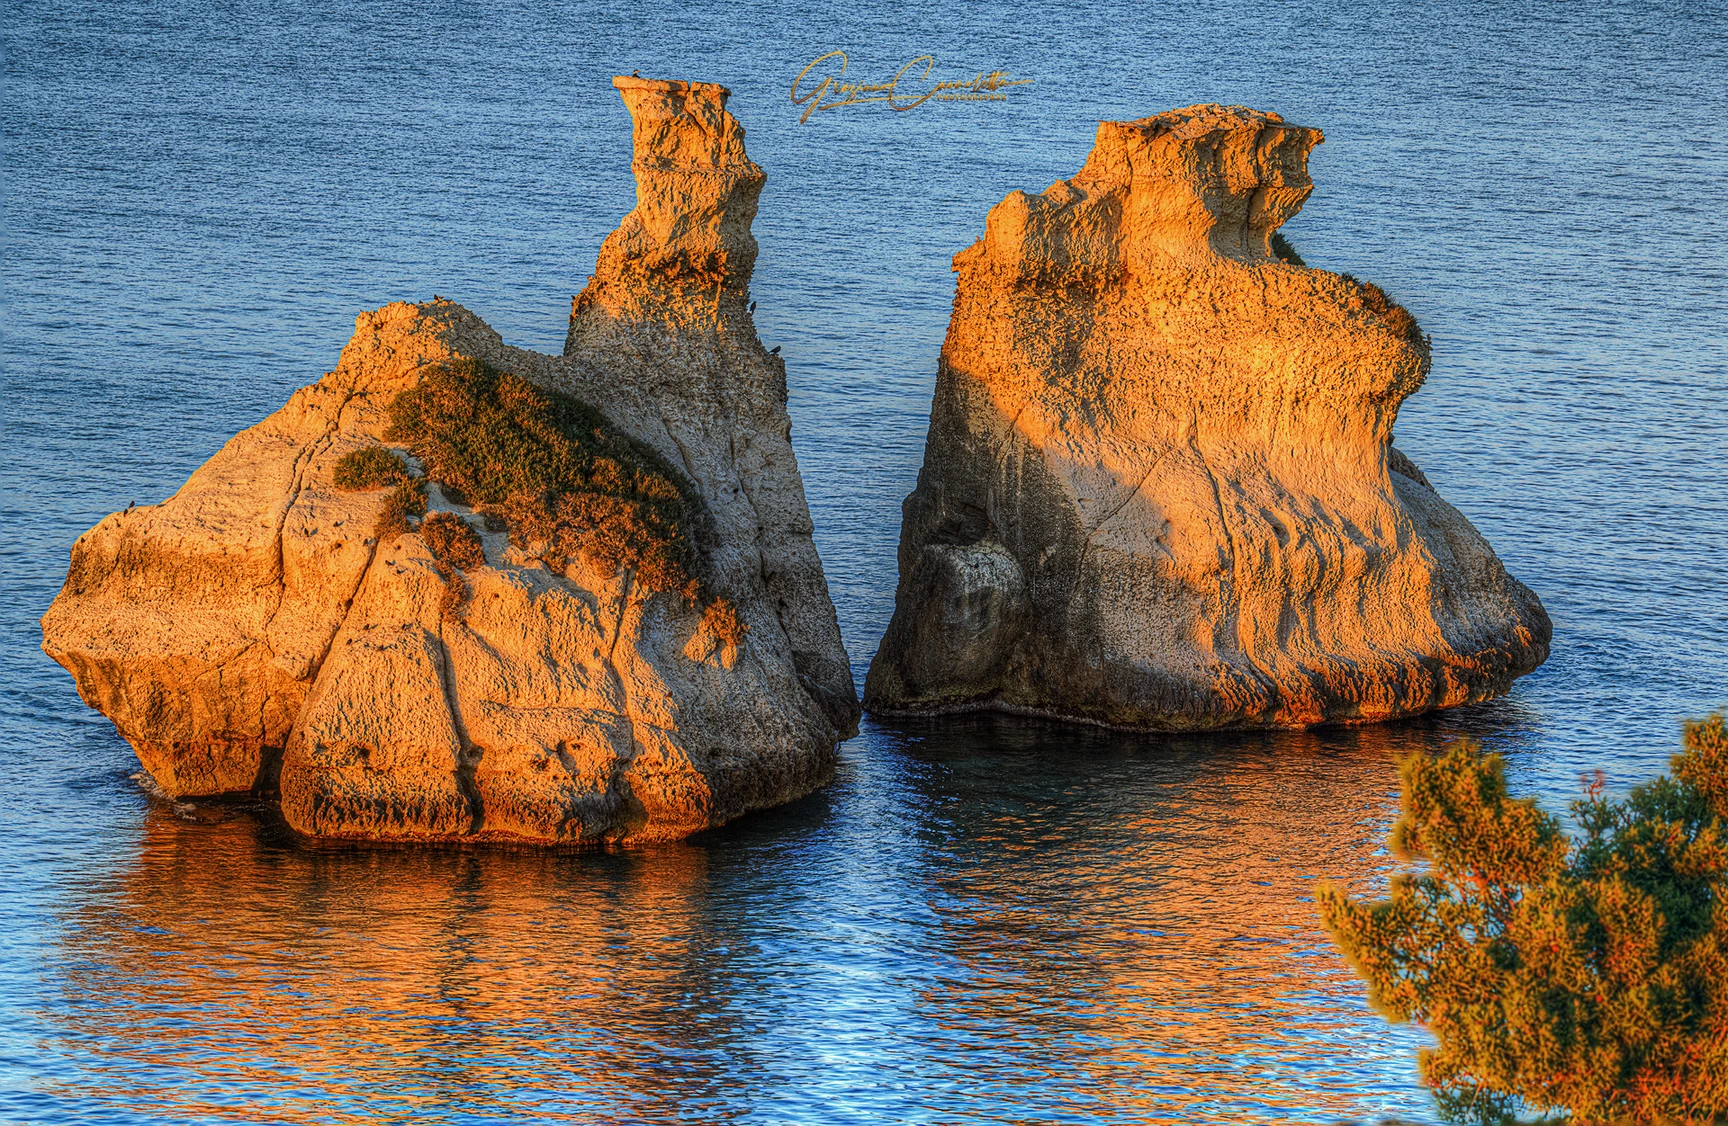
column 1160, row 491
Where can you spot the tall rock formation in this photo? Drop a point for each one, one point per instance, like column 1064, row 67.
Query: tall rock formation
column 1160, row 490
column 264, row 630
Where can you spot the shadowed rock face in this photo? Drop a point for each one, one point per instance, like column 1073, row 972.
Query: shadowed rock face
column 253, row 633
column 1159, row 489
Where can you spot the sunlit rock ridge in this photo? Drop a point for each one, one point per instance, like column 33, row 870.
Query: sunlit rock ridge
column 1159, row 489
column 254, row 632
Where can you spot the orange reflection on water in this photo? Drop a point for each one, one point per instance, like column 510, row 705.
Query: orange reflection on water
column 321, row 982
column 1206, row 981
column 984, row 920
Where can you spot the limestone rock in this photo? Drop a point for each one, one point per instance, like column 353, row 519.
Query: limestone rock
column 1160, row 490
column 253, row 632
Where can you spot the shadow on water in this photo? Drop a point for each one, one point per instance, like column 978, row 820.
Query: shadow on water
column 986, row 917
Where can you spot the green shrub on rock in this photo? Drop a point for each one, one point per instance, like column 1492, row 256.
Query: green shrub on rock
column 405, row 501
column 371, row 467
column 557, row 474
column 1588, row 976
column 457, row 548
column 1399, row 319
column 452, row 541
column 1283, row 251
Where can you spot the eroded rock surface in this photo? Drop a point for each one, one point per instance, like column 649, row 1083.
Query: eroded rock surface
column 1159, row 489
column 254, row 632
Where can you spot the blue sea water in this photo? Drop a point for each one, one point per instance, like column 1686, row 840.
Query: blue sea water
column 984, row 919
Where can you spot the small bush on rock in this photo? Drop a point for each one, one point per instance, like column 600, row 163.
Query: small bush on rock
column 564, row 479
column 1283, row 251
column 1589, row 976
column 371, row 467
column 456, row 547
column 722, row 621
column 609, row 532
column 1399, row 319
column 452, row 541
column 405, row 501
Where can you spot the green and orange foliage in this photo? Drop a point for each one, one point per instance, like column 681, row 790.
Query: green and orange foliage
column 370, row 467
column 721, row 620
column 1399, row 319
column 1587, row 975
column 452, row 541
column 456, row 547
column 405, row 501
column 1283, row 251
column 563, row 479
column 609, row 532
column 374, row 467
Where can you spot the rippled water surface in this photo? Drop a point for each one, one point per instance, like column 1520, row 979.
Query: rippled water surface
column 983, row 919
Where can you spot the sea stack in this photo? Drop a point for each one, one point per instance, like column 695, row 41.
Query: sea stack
column 609, row 625
column 1160, row 490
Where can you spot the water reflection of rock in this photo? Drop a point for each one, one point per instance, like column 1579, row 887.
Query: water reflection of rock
column 229, row 970
column 1137, row 917
column 985, row 919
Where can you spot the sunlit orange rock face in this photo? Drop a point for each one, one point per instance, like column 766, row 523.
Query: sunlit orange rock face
column 1160, row 489
column 253, row 632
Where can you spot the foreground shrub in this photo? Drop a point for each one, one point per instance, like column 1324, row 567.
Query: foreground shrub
column 1589, row 976
column 370, row 467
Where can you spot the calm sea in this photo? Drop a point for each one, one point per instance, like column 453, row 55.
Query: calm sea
column 983, row 919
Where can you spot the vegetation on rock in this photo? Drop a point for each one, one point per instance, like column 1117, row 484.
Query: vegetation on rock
column 456, row 547
column 609, row 531
column 371, row 467
column 565, row 481
column 214, row 631
column 722, row 621
column 405, row 501
column 452, row 541
column 1588, row 976
column 374, row 467
column 1399, row 319
column 1284, row 252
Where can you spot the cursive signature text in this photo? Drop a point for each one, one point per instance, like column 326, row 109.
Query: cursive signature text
column 908, row 89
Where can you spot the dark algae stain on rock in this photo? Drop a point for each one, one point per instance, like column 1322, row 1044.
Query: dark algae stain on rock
column 1160, row 490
